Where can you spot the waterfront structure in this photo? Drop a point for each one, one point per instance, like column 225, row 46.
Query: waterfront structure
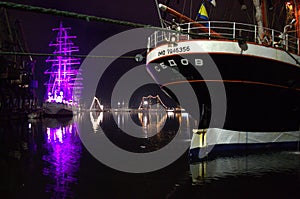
column 152, row 103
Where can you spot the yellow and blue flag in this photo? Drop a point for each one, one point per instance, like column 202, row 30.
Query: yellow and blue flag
column 202, row 13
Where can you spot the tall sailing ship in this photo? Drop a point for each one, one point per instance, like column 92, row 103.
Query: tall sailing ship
column 64, row 84
column 258, row 66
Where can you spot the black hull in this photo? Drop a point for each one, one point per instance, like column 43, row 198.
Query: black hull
column 261, row 94
column 57, row 110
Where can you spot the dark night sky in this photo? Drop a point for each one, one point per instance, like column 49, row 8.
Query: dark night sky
column 37, row 27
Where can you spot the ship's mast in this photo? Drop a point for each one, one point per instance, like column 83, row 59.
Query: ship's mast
column 297, row 17
column 259, row 18
column 186, row 19
column 264, row 13
column 159, row 15
column 64, row 69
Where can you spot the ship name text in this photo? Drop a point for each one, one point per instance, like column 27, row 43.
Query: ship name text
column 175, row 63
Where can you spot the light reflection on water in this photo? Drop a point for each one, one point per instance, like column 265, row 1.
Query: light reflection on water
column 139, row 131
column 64, row 153
column 148, row 120
column 46, row 159
column 63, row 147
column 96, row 118
column 62, row 159
column 255, row 165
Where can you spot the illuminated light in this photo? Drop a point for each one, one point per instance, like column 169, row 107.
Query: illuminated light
column 170, row 114
column 64, row 131
column 48, row 135
column 64, row 70
column 96, row 105
column 145, row 101
column 29, row 125
column 184, row 114
column 59, row 135
column 54, row 137
column 289, row 6
column 96, row 119
column 145, row 121
column 70, row 129
column 119, row 120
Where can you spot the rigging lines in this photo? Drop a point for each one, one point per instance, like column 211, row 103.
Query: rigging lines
column 78, row 56
column 73, row 15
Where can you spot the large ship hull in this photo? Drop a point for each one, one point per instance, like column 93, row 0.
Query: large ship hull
column 57, row 109
column 262, row 84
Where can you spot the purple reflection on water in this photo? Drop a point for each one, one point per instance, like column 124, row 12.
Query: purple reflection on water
column 62, row 160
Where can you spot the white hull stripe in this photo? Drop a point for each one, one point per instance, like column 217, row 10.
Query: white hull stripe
column 221, row 47
column 215, row 136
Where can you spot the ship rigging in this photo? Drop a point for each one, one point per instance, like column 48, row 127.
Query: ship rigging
column 64, row 84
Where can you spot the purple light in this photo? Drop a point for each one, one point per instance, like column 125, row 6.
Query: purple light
column 64, row 69
column 62, row 160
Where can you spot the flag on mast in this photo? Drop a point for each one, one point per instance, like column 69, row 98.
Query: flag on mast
column 202, row 13
column 213, row 2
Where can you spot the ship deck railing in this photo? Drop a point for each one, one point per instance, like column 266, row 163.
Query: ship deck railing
column 226, row 30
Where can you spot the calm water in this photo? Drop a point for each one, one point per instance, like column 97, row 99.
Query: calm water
column 46, row 159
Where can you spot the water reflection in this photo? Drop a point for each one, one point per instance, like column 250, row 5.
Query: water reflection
column 62, row 159
column 151, row 123
column 138, row 131
column 255, row 165
column 96, row 118
column 45, row 159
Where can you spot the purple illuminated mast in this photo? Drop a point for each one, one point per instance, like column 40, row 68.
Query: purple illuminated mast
column 64, row 70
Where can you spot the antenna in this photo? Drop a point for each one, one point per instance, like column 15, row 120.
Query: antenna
column 159, row 15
